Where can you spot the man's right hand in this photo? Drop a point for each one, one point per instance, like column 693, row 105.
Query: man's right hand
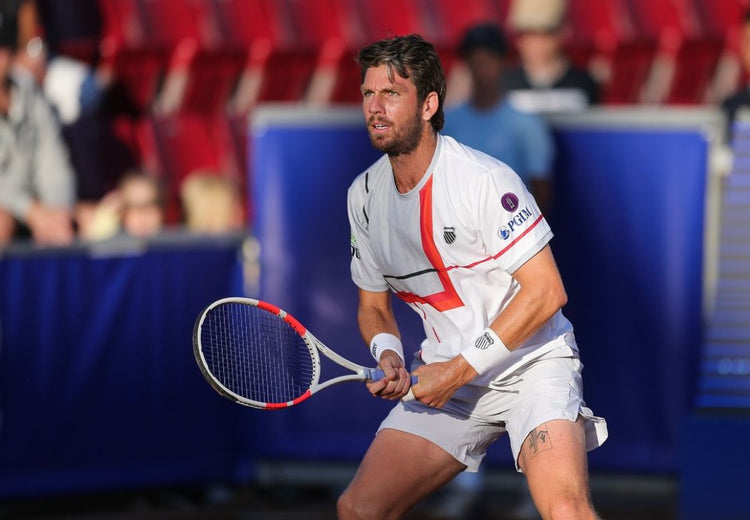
column 397, row 379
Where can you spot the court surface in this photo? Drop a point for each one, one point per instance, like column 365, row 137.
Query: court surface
column 295, row 492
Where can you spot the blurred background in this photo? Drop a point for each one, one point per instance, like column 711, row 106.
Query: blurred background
column 156, row 155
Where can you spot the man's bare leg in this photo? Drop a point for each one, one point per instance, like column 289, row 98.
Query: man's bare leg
column 553, row 458
column 398, row 470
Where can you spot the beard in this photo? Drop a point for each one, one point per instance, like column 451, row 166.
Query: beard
column 401, row 141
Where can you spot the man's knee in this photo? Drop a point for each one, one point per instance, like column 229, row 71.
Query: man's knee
column 569, row 506
column 350, row 506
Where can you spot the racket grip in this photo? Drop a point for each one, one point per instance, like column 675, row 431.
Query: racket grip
column 377, row 374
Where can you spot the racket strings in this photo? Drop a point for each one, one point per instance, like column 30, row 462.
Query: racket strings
column 256, row 354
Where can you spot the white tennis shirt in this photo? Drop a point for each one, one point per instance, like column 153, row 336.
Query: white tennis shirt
column 449, row 247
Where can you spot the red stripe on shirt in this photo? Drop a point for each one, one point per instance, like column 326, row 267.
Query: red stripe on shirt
column 448, row 298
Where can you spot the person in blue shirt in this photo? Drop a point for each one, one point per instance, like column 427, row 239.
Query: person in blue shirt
column 489, row 123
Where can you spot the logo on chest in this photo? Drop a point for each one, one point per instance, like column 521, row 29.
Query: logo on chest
column 449, row 234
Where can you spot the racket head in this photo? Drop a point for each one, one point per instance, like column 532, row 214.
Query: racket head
column 255, row 354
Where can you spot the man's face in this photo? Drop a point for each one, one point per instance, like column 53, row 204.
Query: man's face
column 394, row 118
column 485, row 67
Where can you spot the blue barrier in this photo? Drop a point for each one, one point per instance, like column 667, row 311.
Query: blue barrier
column 98, row 385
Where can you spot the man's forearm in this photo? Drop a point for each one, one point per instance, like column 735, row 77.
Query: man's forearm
column 525, row 314
column 374, row 320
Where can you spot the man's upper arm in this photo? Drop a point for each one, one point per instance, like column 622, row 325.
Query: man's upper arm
column 540, row 271
column 375, row 299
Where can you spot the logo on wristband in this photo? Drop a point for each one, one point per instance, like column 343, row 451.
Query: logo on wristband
column 484, row 341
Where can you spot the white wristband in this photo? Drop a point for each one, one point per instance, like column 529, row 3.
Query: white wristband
column 487, row 351
column 385, row 341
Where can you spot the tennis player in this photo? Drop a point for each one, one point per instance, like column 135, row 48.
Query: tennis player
column 455, row 234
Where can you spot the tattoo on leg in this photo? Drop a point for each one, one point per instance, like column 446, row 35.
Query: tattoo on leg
column 539, row 440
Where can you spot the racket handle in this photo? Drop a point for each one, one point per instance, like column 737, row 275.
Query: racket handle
column 376, row 374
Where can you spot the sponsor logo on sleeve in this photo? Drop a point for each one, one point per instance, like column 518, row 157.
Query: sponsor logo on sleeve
column 354, row 248
column 509, row 202
column 516, row 222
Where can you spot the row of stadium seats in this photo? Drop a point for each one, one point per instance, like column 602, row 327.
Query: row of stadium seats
column 196, row 68
column 210, row 55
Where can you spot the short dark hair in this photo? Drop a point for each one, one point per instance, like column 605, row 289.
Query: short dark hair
column 484, row 36
column 411, row 57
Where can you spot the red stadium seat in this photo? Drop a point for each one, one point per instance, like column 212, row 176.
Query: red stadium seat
column 388, row 18
column 277, row 69
column 687, row 54
column 185, row 143
column 333, row 29
column 603, row 38
column 451, row 19
column 629, row 64
column 125, row 52
column 202, row 69
column 720, row 16
column 695, row 66
column 599, row 24
column 722, row 19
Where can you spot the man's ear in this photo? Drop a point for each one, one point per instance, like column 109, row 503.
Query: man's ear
column 430, row 106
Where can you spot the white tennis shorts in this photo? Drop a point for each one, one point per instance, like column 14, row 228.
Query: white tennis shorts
column 546, row 389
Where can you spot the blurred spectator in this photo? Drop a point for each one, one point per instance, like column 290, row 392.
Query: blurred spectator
column 737, row 106
column 490, row 124
column 211, row 204
column 37, row 190
column 84, row 93
column 31, row 57
column 135, row 208
column 546, row 80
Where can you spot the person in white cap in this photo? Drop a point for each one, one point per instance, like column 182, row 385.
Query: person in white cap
column 545, row 80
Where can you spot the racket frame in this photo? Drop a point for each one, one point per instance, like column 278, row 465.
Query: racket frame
column 314, row 345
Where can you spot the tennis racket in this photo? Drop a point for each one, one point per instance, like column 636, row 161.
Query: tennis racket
column 257, row 355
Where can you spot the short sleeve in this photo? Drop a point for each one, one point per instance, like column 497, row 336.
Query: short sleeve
column 512, row 227
column 364, row 268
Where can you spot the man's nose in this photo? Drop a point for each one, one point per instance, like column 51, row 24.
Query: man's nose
column 375, row 105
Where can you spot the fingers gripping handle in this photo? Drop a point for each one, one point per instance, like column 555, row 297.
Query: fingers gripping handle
column 375, row 374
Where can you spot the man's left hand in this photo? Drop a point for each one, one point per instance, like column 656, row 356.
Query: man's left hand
column 439, row 381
